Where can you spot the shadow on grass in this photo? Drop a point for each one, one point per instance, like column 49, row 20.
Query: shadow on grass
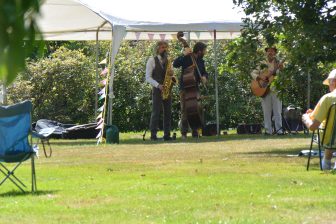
column 222, row 138
column 283, row 152
column 72, row 142
column 204, row 139
column 18, row 193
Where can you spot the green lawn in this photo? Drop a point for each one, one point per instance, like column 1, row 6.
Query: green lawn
column 234, row 179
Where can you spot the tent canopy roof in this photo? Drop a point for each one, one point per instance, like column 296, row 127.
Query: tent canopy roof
column 80, row 19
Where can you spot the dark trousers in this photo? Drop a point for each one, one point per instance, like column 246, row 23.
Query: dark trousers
column 157, row 104
column 184, row 118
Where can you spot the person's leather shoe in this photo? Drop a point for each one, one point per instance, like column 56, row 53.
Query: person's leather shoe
column 153, row 138
column 167, row 138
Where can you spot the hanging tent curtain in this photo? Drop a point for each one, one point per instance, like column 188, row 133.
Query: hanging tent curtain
column 119, row 33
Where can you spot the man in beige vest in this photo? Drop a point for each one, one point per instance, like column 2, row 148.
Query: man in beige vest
column 155, row 75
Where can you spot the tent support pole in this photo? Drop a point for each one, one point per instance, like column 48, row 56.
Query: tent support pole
column 97, row 74
column 188, row 37
column 4, row 94
column 308, row 91
column 216, row 83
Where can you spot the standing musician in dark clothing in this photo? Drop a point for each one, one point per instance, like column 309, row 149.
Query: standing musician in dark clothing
column 185, row 61
column 155, row 75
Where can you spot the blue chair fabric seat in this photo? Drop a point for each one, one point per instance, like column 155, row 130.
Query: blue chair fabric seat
column 16, row 140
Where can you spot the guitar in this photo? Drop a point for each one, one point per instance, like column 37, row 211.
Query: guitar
column 261, row 86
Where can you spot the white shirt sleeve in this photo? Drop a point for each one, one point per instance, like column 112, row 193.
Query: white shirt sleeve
column 149, row 72
column 255, row 73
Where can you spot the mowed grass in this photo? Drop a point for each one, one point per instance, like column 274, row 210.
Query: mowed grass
column 233, row 179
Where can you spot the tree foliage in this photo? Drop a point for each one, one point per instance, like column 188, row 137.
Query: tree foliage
column 61, row 87
column 18, row 32
column 305, row 33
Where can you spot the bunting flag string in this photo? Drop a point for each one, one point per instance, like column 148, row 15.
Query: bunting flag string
column 103, row 93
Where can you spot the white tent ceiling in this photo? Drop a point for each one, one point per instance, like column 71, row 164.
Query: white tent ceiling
column 80, row 19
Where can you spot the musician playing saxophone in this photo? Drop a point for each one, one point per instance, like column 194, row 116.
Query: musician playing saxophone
column 270, row 102
column 156, row 70
column 185, row 61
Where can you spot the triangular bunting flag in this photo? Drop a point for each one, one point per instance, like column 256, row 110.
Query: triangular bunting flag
column 100, row 121
column 150, row 36
column 102, row 96
column 100, row 109
column 102, row 91
column 100, row 126
column 99, row 134
column 100, row 116
column 162, row 36
column 104, row 72
column 198, row 34
column 103, row 82
column 99, row 141
column 137, row 35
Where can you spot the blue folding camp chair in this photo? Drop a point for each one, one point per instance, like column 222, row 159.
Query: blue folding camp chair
column 15, row 147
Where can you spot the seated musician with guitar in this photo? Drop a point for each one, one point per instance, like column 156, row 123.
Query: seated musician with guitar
column 261, row 86
column 190, row 59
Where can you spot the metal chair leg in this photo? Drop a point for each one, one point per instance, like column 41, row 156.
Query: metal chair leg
column 310, row 149
column 319, row 147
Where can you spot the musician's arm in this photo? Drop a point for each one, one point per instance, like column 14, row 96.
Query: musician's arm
column 313, row 119
column 311, row 124
column 178, row 62
column 149, row 73
column 203, row 70
column 279, row 66
column 255, row 74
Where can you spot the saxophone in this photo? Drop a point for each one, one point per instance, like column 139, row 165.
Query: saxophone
column 169, row 81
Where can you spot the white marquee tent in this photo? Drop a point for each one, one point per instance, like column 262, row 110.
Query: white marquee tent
column 138, row 20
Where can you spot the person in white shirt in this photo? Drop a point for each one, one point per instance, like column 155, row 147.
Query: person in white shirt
column 155, row 74
column 271, row 102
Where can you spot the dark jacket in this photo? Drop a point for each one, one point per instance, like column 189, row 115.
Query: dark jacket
column 185, row 62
